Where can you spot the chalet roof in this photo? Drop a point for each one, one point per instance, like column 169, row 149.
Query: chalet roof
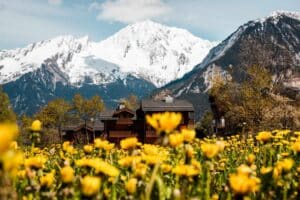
column 160, row 106
column 112, row 114
column 117, row 112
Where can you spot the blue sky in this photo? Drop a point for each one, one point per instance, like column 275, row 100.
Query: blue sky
column 25, row 21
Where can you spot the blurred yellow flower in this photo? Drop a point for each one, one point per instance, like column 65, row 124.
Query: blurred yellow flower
column 188, row 134
column 90, row 185
column 103, row 144
column 266, row 170
column 210, row 150
column 13, row 145
column 186, row 170
column 176, row 139
column 67, row 174
column 11, row 161
column 166, row 168
column 140, row 169
column 243, row 184
column 250, row 158
column 36, row 125
column 129, row 160
column 35, row 162
column 8, row 131
column 88, row 148
column 296, row 146
column 264, row 136
column 129, row 143
column 131, row 185
column 166, row 122
column 48, row 179
column 244, row 170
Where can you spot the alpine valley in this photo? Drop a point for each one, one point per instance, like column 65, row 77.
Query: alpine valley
column 136, row 60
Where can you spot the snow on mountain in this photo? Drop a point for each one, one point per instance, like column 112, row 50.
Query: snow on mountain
column 146, row 50
column 153, row 51
column 273, row 42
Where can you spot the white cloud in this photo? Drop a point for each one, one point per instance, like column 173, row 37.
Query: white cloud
column 55, row 2
column 129, row 11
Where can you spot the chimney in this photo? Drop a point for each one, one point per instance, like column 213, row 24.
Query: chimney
column 121, row 106
column 169, row 99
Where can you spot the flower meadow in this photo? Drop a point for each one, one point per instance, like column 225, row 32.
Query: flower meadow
column 180, row 166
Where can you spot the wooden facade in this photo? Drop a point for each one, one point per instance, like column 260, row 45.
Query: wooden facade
column 123, row 122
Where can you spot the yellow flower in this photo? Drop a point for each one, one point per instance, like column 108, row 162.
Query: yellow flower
column 296, row 146
column 153, row 159
column 266, row 170
column 250, row 158
column 13, row 145
column 166, row 122
column 210, row 150
column 11, row 161
column 8, row 131
column 221, row 145
column 264, row 136
column 65, row 145
column 166, row 168
column 188, row 134
column 140, row 169
column 129, row 143
column 186, row 170
column 99, row 166
column 189, row 151
column 67, row 174
column 21, row 174
column 103, row 144
column 35, row 162
column 176, row 139
column 36, row 125
column 129, row 160
column 131, row 185
column 286, row 164
column 244, row 170
column 243, row 184
column 87, row 148
column 48, row 179
column 90, row 185
column 150, row 149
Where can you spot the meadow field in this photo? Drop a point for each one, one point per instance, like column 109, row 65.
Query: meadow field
column 265, row 165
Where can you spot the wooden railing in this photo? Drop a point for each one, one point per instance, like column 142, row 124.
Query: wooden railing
column 121, row 134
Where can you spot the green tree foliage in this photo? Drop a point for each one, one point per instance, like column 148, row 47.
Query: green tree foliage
column 6, row 112
column 85, row 109
column 55, row 114
column 204, row 127
column 131, row 102
column 249, row 104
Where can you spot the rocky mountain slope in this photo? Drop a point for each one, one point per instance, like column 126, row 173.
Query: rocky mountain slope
column 273, row 42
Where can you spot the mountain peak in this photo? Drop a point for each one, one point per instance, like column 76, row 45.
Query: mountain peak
column 282, row 13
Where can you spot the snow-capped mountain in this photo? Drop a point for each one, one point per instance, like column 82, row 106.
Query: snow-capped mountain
column 153, row 51
column 273, row 42
column 146, row 52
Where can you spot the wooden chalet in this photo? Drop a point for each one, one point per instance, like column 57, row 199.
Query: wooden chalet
column 115, row 125
column 82, row 133
column 119, row 124
column 149, row 106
